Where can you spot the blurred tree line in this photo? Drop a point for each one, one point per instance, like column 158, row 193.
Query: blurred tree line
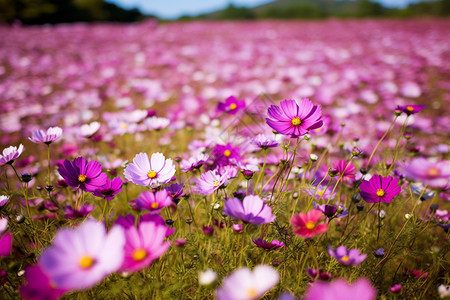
column 317, row 9
column 64, row 11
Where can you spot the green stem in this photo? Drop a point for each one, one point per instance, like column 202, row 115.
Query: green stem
column 379, row 142
column 48, row 160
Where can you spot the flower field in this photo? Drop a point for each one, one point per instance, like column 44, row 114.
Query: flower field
column 225, row 160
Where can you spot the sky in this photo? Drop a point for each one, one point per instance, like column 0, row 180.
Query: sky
column 171, row 9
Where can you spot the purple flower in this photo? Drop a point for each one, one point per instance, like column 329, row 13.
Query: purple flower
column 244, row 284
column 341, row 290
column 210, row 181
column 347, row 257
column 379, row 252
column 294, row 119
column 231, row 105
column 3, row 200
column 80, row 258
column 251, row 210
column 82, row 174
column 144, row 244
column 175, row 190
column 410, row 109
column 208, row 230
column 224, row 153
column 275, row 244
column 379, row 189
column 39, row 286
column 72, row 213
column 433, row 174
column 10, row 154
column 331, row 210
column 109, row 189
column 146, row 172
column 350, row 170
column 193, row 162
column 153, row 202
column 396, row 288
column 5, row 244
column 264, row 142
column 40, row 136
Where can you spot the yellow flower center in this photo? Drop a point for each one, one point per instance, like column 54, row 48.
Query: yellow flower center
column 310, row 225
column 86, row 261
column 227, row 153
column 410, row 108
column 151, row 174
column 433, row 172
column 232, row 106
column 216, row 183
column 345, row 258
column 296, row 121
column 251, row 293
column 154, row 205
column 139, row 254
column 124, row 126
column 380, row 193
column 320, row 193
column 82, row 178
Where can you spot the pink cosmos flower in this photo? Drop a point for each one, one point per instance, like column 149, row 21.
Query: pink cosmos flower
column 244, row 284
column 156, row 123
column 433, row 174
column 306, row 224
column 5, row 244
column 251, row 210
column 109, row 189
column 88, row 130
column 293, row 119
column 231, row 105
column 193, row 162
column 275, row 244
column 80, row 258
column 347, row 256
column 3, row 200
column 40, row 136
column 211, row 181
column 410, row 109
column 341, row 290
column 146, row 172
column 10, row 154
column 350, row 170
column 144, row 244
column 224, row 153
column 379, row 189
column 264, row 142
column 38, row 286
column 82, row 174
column 154, row 202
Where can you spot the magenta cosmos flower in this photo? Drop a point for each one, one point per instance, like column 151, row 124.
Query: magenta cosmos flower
column 244, row 284
column 211, row 181
column 379, row 189
column 150, row 172
column 264, row 142
column 345, row 169
column 410, row 109
column 40, row 136
column 39, row 286
column 231, row 105
column 82, row 174
column 109, row 189
column 294, row 119
column 307, row 224
column 347, row 256
column 224, row 153
column 10, row 154
column 80, row 258
column 433, row 174
column 341, row 290
column 144, row 244
column 251, row 210
column 275, row 244
column 154, row 202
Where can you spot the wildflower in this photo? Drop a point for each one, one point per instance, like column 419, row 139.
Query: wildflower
column 341, row 290
column 396, row 288
column 444, row 291
column 5, row 244
column 143, row 244
column 410, row 109
column 322, row 192
column 175, row 190
column 345, row 169
column 264, row 142
column 82, row 212
column 224, row 153
column 155, row 123
column 211, row 181
column 237, row 227
column 251, row 210
column 109, row 189
column 10, row 154
column 146, row 172
column 433, row 174
column 80, row 258
column 39, row 286
column 245, row 284
column 82, row 174
column 207, row 277
column 275, row 244
column 306, row 224
column 208, row 230
column 379, row 252
column 3, row 200
column 313, row 273
column 153, row 202
column 194, row 162
column 293, row 119
column 379, row 189
column 88, row 130
column 345, row 256
column 231, row 105
column 40, row 136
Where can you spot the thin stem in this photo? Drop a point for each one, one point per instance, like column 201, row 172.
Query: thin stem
column 261, row 174
column 379, row 142
column 48, row 160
